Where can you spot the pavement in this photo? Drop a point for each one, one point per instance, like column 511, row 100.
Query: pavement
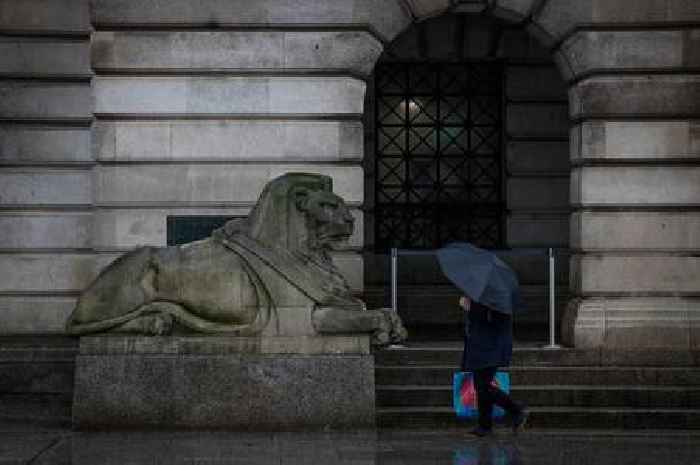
column 382, row 447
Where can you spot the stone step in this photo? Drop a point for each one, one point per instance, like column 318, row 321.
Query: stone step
column 40, row 410
column 35, row 366
column 621, row 376
column 37, row 377
column 526, row 334
column 451, row 355
column 552, row 396
column 38, row 349
column 548, row 417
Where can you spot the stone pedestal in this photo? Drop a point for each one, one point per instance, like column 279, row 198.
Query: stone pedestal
column 233, row 383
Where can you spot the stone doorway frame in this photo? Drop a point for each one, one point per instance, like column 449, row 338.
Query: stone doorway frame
column 622, row 266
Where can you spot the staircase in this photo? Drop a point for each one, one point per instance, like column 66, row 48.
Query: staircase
column 566, row 388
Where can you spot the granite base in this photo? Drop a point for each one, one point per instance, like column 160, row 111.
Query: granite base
column 180, row 383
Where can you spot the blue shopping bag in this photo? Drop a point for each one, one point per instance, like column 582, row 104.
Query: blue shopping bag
column 464, row 394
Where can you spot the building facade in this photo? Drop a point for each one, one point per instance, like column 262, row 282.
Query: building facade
column 118, row 114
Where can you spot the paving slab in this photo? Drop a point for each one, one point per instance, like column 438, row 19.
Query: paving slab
column 23, row 448
column 540, row 447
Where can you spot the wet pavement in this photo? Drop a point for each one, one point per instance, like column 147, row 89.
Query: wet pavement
column 357, row 448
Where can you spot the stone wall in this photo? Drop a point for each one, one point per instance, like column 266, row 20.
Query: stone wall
column 635, row 185
column 116, row 115
column 195, row 110
column 45, row 162
column 290, row 74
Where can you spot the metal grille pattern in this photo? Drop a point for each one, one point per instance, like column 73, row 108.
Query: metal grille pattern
column 438, row 154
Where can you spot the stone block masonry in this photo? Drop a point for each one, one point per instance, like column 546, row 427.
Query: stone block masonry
column 196, row 118
column 297, row 71
column 45, row 162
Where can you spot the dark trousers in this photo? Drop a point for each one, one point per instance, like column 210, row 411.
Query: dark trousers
column 488, row 395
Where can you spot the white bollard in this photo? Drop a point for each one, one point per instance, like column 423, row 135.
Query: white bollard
column 395, row 288
column 394, row 279
column 552, row 314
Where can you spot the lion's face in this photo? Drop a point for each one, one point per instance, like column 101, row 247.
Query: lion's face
column 328, row 218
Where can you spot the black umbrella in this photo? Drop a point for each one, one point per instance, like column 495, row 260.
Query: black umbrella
column 481, row 275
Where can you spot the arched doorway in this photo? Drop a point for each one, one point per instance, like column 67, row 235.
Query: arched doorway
column 634, row 164
column 467, row 139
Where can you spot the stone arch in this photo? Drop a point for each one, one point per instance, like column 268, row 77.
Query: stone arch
column 547, row 21
column 534, row 157
column 633, row 98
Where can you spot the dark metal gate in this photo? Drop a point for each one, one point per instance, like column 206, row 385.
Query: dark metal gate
column 438, row 168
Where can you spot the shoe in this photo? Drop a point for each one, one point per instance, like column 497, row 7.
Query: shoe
column 520, row 420
column 481, row 432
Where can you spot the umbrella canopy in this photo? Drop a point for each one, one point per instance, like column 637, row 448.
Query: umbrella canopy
column 481, row 275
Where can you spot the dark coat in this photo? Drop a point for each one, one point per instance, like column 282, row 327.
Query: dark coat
column 488, row 340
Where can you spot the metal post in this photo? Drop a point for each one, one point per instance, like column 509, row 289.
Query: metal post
column 552, row 314
column 395, row 288
column 394, row 279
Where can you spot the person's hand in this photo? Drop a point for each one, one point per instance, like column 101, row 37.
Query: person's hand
column 465, row 302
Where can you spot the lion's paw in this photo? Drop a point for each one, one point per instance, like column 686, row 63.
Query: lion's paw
column 391, row 329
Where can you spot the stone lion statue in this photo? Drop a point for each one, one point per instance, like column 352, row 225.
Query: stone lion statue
column 268, row 274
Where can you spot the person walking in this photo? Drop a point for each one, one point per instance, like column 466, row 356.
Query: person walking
column 491, row 294
column 488, row 345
